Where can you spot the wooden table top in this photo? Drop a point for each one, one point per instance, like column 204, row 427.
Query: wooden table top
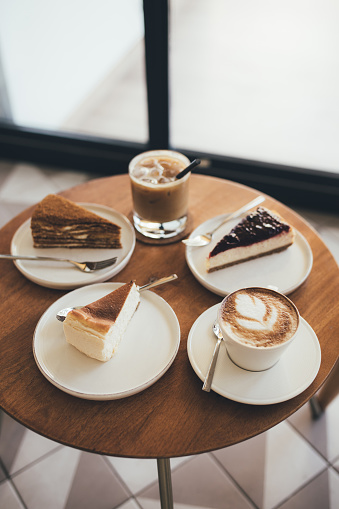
column 173, row 417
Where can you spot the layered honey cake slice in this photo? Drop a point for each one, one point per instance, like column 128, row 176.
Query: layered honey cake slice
column 97, row 329
column 260, row 233
column 59, row 222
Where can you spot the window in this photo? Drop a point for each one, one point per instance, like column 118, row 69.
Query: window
column 64, row 68
column 249, row 87
column 257, row 80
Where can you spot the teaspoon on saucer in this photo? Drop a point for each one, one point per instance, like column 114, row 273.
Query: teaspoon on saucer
column 209, row 377
column 61, row 315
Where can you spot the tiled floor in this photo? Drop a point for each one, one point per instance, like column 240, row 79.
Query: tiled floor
column 294, row 465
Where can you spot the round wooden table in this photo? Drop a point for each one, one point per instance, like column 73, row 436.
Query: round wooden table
column 173, row 417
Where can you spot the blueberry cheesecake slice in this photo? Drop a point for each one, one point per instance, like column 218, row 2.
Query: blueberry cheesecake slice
column 260, row 233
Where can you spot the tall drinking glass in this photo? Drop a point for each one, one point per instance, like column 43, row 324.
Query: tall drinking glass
column 160, row 200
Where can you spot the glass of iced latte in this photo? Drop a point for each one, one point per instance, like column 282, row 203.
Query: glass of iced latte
column 160, row 200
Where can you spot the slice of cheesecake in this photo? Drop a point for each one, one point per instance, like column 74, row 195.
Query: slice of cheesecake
column 59, row 222
column 97, row 329
column 260, row 233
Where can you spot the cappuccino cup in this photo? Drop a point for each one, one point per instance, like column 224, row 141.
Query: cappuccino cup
column 258, row 325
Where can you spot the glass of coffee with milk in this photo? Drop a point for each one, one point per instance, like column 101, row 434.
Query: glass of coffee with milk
column 258, row 325
column 160, row 199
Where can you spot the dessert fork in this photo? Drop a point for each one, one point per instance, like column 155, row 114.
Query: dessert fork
column 205, row 238
column 83, row 266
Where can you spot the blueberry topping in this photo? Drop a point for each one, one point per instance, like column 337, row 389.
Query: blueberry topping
column 256, row 227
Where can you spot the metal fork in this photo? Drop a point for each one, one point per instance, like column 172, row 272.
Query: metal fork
column 206, row 238
column 83, row 266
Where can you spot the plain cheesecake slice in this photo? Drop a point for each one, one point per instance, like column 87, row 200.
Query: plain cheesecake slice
column 59, row 222
column 97, row 329
column 260, row 233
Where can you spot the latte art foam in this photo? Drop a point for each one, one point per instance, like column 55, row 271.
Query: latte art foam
column 259, row 317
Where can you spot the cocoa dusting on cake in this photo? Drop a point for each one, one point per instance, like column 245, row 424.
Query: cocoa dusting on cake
column 255, row 227
column 109, row 306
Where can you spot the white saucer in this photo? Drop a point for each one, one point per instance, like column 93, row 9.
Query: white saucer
column 64, row 276
column 146, row 351
column 286, row 270
column 292, row 374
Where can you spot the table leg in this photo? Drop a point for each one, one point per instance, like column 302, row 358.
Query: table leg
column 165, row 483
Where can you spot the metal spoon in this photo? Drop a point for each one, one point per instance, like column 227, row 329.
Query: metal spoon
column 205, row 238
column 61, row 315
column 209, row 377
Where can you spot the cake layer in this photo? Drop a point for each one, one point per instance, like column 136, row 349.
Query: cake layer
column 97, row 329
column 58, row 222
column 242, row 254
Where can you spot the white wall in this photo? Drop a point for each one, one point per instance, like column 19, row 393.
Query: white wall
column 54, row 52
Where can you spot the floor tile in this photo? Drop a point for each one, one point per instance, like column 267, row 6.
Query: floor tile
column 19, row 446
column 322, row 433
column 32, row 183
column 47, row 483
column 94, row 485
column 24, row 185
column 327, row 227
column 130, row 504
column 136, row 473
column 2, row 475
column 262, row 466
column 139, row 473
column 69, row 478
column 28, row 182
column 5, row 170
column 8, row 497
column 9, row 210
column 321, row 493
column 198, row 483
column 317, row 218
column 313, row 218
column 63, row 180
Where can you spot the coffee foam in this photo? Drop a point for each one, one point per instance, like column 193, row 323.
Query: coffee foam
column 259, row 317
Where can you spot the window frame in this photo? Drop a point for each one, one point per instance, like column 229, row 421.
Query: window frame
column 295, row 186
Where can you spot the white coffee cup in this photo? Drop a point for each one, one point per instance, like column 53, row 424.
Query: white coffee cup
column 258, row 325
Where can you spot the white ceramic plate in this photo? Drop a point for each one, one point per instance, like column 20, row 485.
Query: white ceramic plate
column 286, row 270
column 146, row 351
column 64, row 276
column 292, row 374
